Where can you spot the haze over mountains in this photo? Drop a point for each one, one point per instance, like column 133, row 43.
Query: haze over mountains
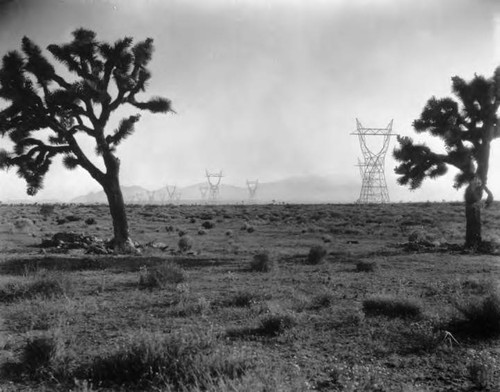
column 303, row 189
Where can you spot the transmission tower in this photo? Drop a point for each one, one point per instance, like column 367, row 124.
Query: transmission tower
column 373, row 187
column 252, row 189
column 203, row 191
column 172, row 193
column 213, row 180
column 151, row 196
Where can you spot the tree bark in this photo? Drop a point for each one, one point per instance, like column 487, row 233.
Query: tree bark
column 122, row 242
column 473, row 195
column 473, row 225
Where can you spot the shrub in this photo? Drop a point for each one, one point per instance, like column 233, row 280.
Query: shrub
column 316, row 254
column 185, row 243
column 46, row 210
column 160, row 276
column 323, row 300
column 172, row 361
column 208, row 225
column 392, row 307
column 73, row 218
column 481, row 371
column 41, row 284
column 90, row 221
column 186, row 307
column 276, row 324
column 46, row 357
column 23, row 225
column 366, row 266
column 202, row 232
column 261, row 262
column 243, row 299
column 481, row 317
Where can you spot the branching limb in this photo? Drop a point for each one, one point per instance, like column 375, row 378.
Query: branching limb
column 489, row 198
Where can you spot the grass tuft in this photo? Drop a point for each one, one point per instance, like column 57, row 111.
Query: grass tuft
column 366, row 266
column 316, row 254
column 185, row 243
column 276, row 324
column 242, row 299
column 262, row 262
column 392, row 307
column 171, row 361
column 480, row 317
column 161, row 276
column 41, row 284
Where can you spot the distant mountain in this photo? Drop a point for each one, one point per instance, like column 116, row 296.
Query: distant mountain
column 129, row 194
column 300, row 189
column 309, row 189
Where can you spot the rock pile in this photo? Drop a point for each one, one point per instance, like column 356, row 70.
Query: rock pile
column 66, row 241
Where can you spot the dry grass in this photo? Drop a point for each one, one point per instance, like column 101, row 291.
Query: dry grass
column 301, row 327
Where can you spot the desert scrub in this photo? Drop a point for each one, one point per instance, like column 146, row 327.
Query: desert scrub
column 167, row 361
column 480, row 317
column 316, row 254
column 276, row 324
column 161, row 276
column 323, row 300
column 38, row 314
column 366, row 266
column 262, row 262
column 481, row 371
column 187, row 307
column 243, row 299
column 41, row 284
column 392, row 307
column 44, row 357
column 185, row 243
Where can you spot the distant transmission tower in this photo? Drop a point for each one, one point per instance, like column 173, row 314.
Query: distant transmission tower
column 172, row 193
column 252, row 189
column 213, row 184
column 204, row 191
column 373, row 187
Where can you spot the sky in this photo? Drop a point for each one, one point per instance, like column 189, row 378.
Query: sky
column 269, row 89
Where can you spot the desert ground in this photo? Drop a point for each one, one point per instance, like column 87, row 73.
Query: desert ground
column 249, row 298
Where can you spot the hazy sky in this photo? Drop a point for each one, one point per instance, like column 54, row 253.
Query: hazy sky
column 267, row 88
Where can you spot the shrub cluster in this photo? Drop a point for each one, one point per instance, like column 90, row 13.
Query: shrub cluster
column 39, row 285
column 185, row 243
column 480, row 317
column 166, row 361
column 262, row 262
column 316, row 254
column 276, row 324
column 161, row 276
column 392, row 307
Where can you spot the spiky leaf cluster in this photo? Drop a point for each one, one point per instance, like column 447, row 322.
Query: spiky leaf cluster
column 39, row 98
column 466, row 125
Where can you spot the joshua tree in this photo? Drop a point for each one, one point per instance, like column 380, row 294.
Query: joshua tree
column 467, row 128
column 46, row 111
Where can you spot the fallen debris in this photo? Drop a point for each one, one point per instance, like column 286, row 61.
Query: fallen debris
column 67, row 241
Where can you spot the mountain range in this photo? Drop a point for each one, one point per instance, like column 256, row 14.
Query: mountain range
column 302, row 189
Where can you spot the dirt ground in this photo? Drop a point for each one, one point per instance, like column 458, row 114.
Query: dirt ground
column 332, row 344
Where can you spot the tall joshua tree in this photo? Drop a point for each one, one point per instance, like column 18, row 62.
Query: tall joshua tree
column 467, row 127
column 104, row 77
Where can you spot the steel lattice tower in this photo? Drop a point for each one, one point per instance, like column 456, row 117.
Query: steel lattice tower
column 372, row 167
column 203, row 191
column 252, row 189
column 213, row 184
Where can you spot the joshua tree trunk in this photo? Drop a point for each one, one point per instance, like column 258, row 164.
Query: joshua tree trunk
column 473, row 225
column 473, row 195
column 122, row 242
